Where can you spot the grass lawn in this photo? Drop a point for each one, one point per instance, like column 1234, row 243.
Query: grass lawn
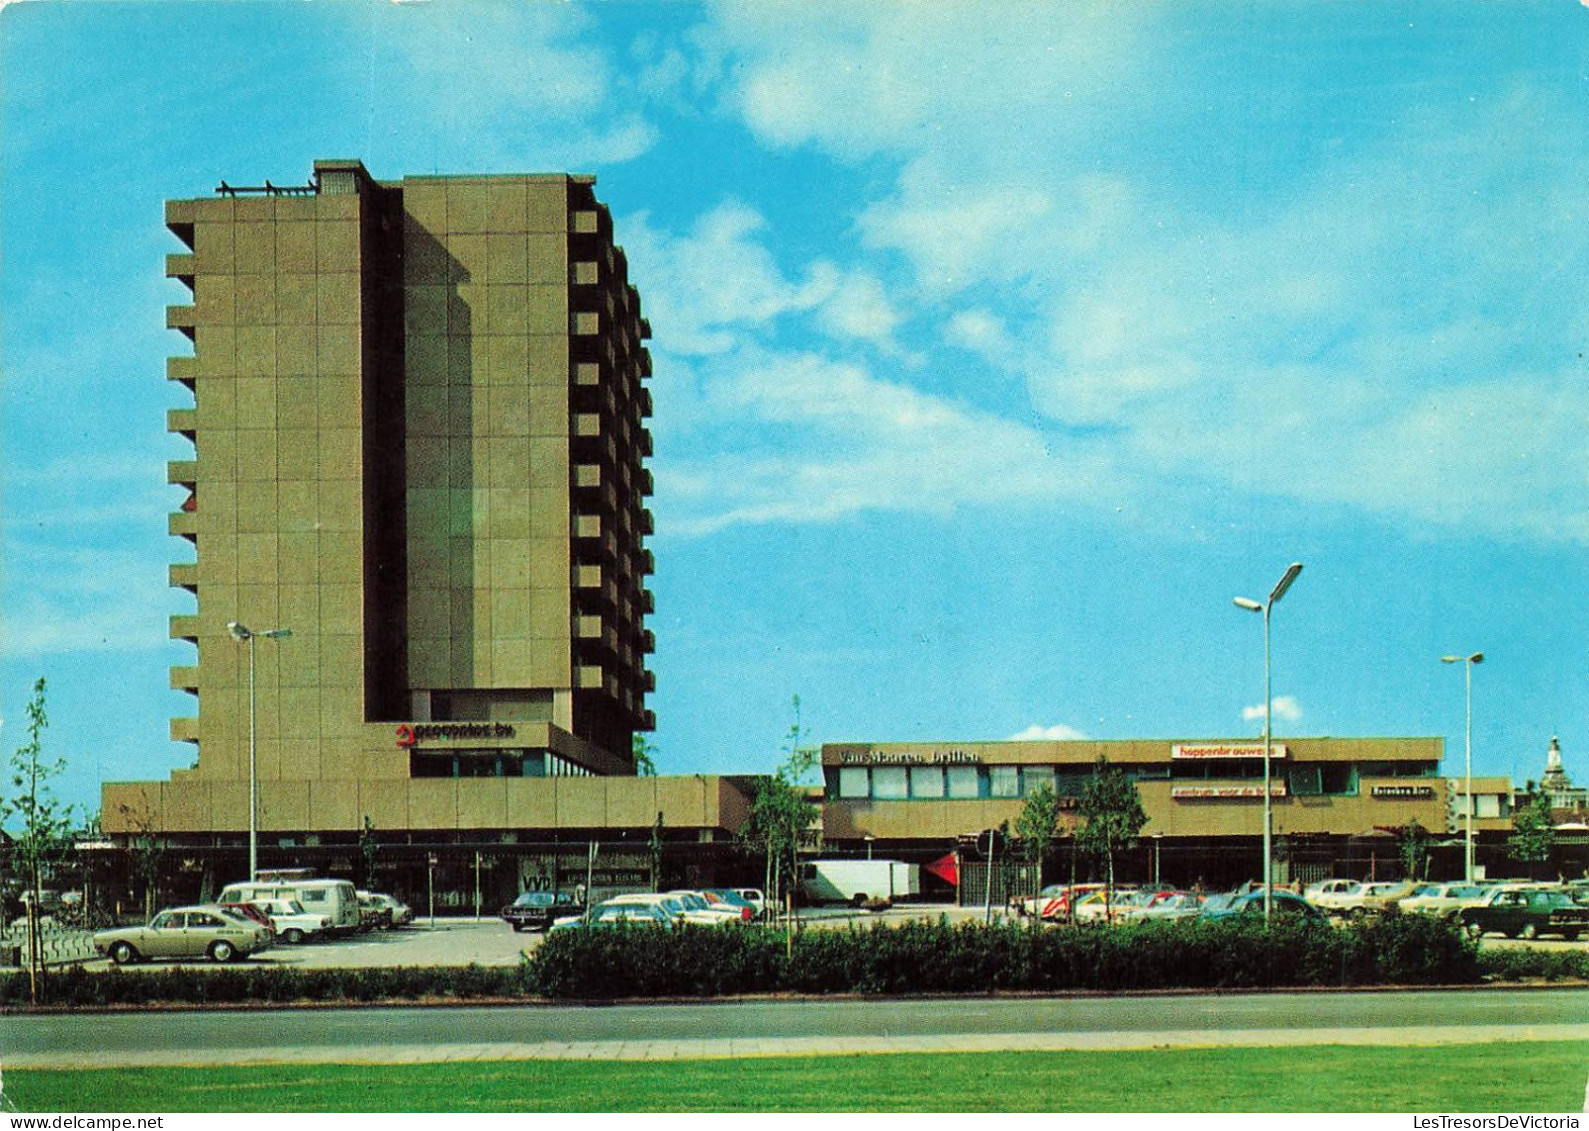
column 1522, row 1077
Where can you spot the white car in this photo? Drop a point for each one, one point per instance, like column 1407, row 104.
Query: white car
column 1443, row 900
column 697, row 901
column 672, row 906
column 291, row 922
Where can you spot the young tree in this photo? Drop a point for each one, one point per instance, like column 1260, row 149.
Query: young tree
column 1533, row 830
column 1112, row 816
column 44, row 825
column 1413, row 842
column 147, row 854
column 644, row 763
column 1037, row 826
column 369, row 849
column 654, row 846
column 781, row 817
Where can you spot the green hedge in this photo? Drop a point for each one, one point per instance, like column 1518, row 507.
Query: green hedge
column 926, row 957
column 912, row 958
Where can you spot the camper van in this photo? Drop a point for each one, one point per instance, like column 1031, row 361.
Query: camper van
column 335, row 899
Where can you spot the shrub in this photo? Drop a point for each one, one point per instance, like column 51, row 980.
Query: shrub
column 920, row 957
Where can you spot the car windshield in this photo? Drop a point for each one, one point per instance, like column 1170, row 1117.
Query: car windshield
column 534, row 899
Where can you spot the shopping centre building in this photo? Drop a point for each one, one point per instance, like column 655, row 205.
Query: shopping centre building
column 1338, row 803
column 414, row 532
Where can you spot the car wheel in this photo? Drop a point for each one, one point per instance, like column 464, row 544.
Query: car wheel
column 1528, row 931
column 123, row 953
column 222, row 951
column 1570, row 935
column 292, row 936
column 517, row 927
column 1473, row 930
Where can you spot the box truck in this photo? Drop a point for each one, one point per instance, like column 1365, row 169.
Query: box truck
column 856, row 881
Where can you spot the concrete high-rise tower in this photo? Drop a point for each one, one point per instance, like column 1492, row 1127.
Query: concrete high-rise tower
column 419, row 437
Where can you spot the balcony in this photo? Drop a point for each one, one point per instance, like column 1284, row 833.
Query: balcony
column 184, row 576
column 584, row 274
column 645, row 523
column 648, row 680
column 185, row 730
column 183, row 267
column 183, row 318
column 184, row 369
column 183, row 471
column 588, row 677
column 185, row 626
column 183, row 421
column 648, row 601
column 643, row 441
column 179, row 219
column 183, row 524
column 185, row 679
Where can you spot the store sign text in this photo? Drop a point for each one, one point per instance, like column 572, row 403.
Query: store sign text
column 1223, row 792
column 1227, row 750
column 1403, row 792
column 896, row 758
column 410, row 733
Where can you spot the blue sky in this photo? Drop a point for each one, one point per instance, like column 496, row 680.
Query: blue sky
column 997, row 347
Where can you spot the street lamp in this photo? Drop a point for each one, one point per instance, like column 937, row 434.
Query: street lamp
column 1467, row 663
column 1252, row 606
column 245, row 635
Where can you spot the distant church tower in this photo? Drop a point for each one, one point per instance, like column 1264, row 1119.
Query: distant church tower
column 1555, row 779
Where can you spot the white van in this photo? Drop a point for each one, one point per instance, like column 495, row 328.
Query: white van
column 335, row 899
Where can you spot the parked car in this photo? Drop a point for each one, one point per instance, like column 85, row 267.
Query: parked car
column 538, row 910
column 250, row 911
column 372, row 916
column 730, row 897
column 1249, row 904
column 754, row 897
column 1101, row 906
column 672, row 906
column 700, row 901
column 1055, row 901
column 611, row 914
column 1444, row 901
column 1335, row 895
column 1526, row 913
column 396, row 912
column 291, row 922
column 1173, row 905
column 186, row 932
column 334, row 898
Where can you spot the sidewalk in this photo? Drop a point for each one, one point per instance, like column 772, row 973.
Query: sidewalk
column 800, row 1046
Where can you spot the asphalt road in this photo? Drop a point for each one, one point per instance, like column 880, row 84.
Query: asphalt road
column 72, row 1038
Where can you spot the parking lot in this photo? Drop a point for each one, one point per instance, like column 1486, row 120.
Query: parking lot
column 491, row 942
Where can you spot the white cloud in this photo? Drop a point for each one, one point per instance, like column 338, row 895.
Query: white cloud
column 1386, row 326
column 1057, row 733
column 1285, row 708
column 808, row 438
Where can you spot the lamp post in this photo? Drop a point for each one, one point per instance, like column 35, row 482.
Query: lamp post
column 1467, row 663
column 1252, row 606
column 245, row 635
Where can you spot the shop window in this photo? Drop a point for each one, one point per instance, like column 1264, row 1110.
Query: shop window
column 889, row 783
column 1004, row 781
column 854, row 782
column 926, row 781
column 1305, row 780
column 964, row 782
column 1339, row 779
column 1034, row 778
